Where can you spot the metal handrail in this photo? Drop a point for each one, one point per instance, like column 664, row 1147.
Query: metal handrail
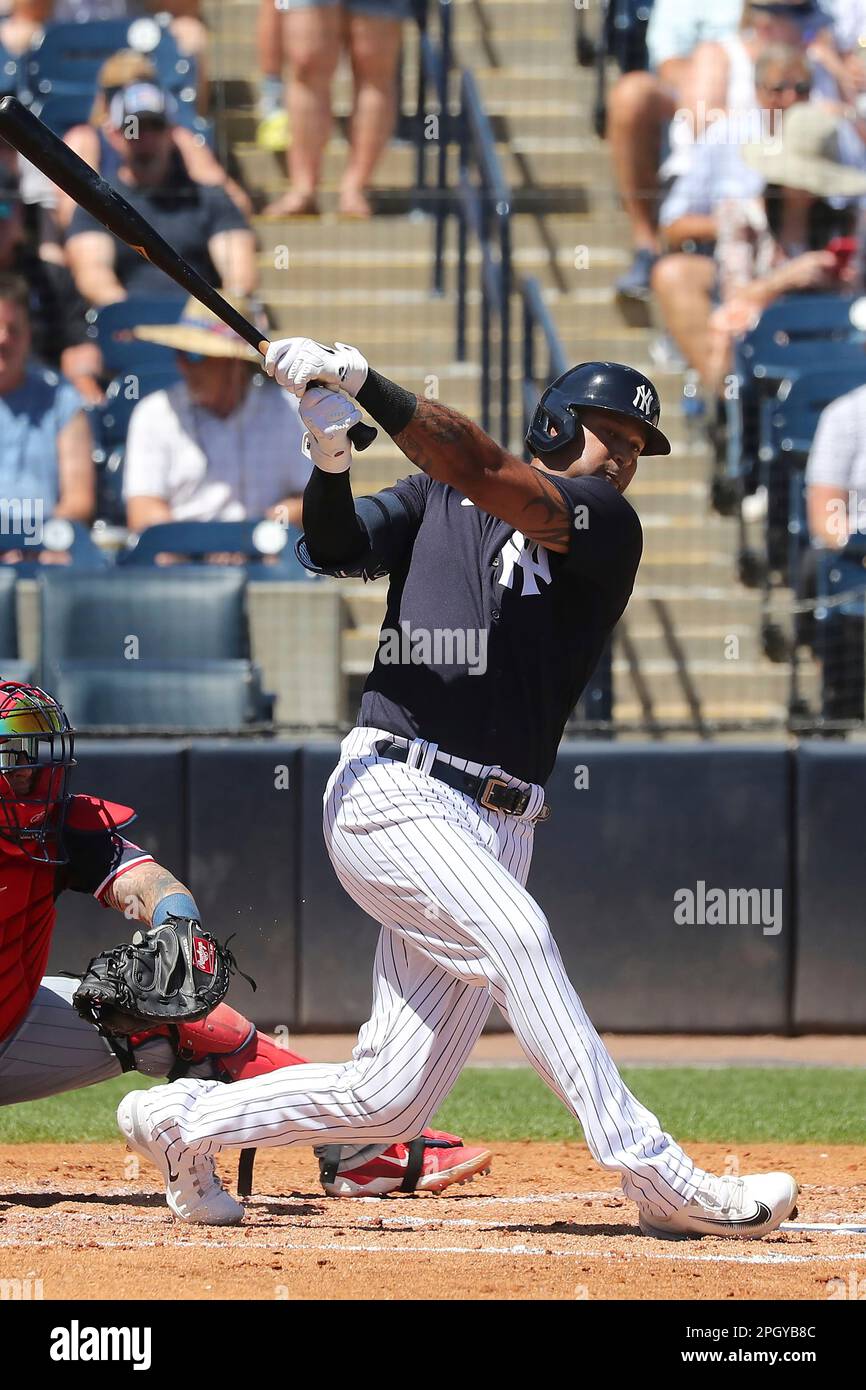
column 537, row 319
column 484, row 207
column 435, row 62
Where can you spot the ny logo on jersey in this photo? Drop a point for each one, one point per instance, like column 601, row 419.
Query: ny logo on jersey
column 643, row 399
column 530, row 558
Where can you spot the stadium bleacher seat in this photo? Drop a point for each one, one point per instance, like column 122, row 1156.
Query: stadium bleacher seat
column 109, row 420
column 9, row 73
column 782, row 346
column 12, row 668
column 172, row 614
column 112, row 638
column 67, row 57
column 85, row 555
column 201, row 697
column 112, row 327
column 255, row 539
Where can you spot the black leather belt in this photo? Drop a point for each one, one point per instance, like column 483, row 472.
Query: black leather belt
column 492, row 792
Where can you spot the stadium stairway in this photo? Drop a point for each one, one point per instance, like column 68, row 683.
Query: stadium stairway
column 689, row 648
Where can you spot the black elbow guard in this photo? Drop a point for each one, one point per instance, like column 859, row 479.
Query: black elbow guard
column 388, row 527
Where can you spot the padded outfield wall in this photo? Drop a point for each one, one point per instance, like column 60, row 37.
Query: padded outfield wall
column 690, row 889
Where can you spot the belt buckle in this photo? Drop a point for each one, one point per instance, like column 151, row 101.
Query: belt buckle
column 488, row 788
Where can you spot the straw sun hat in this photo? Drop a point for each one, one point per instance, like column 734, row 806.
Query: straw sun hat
column 199, row 331
column 806, row 155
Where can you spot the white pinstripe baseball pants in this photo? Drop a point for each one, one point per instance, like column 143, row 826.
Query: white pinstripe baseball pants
column 445, row 878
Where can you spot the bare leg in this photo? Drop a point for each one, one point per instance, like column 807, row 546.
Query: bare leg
column 312, row 41
column 269, row 39
column 683, row 286
column 374, row 48
column 638, row 109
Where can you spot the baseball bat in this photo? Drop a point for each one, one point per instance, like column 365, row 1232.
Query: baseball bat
column 32, row 138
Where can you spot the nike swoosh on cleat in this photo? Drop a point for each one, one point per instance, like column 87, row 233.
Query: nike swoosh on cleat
column 761, row 1216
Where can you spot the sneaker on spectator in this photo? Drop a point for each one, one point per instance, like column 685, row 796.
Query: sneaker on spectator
column 754, row 505
column 635, row 284
column 273, row 132
column 663, row 352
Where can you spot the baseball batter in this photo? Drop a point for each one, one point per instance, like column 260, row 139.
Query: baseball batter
column 506, row 579
column 51, row 842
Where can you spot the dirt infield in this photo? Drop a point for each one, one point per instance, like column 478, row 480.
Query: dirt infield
column 79, row 1223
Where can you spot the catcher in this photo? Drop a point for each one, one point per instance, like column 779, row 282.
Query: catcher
column 153, row 1004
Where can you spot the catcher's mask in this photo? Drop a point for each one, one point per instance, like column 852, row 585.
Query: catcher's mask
column 36, row 748
column 609, row 386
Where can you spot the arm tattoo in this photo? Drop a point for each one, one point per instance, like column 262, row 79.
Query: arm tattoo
column 453, row 449
column 137, row 892
column 548, row 518
column 446, row 444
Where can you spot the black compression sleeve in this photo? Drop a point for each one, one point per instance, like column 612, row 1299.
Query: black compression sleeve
column 333, row 534
column 390, row 405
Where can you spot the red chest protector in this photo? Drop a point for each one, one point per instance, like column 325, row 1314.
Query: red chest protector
column 27, row 912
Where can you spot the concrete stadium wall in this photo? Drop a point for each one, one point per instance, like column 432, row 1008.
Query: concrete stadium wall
column 640, row 835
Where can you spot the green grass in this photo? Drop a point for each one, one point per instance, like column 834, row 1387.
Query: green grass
column 732, row 1105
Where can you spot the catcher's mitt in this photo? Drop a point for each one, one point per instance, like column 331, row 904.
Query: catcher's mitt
column 173, row 973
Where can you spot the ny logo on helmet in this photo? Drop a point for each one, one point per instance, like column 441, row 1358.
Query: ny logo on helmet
column 643, row 399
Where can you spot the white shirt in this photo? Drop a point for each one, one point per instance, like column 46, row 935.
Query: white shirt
column 838, row 454
column 717, row 169
column 676, row 27
column 212, row 469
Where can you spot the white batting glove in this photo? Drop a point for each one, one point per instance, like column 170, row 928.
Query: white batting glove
column 295, row 362
column 328, row 417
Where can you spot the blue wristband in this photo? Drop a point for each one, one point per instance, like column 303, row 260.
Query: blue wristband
column 175, row 905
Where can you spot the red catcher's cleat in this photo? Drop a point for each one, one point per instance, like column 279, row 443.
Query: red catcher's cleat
column 428, row 1164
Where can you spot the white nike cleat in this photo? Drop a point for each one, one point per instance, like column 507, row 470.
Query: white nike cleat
column 748, row 1207
column 192, row 1189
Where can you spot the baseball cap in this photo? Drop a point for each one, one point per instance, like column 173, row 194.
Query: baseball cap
column 140, row 99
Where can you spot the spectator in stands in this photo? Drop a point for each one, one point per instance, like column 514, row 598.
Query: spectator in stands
column 836, row 472
column 224, row 444
column 273, row 129
column 314, row 33
column 773, row 244
column 698, row 75
column 92, row 142
column 840, row 48
column 56, row 309
column 836, row 511
column 684, row 283
column 45, row 442
column 199, row 220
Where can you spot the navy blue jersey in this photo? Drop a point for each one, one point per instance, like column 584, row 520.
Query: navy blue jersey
column 489, row 639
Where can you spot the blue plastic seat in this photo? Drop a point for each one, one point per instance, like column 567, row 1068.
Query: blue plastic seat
column 126, row 617
column 69, row 56
column 198, row 539
column 10, row 73
column 205, row 697
column 8, row 616
column 112, row 326
column 109, row 421
column 85, row 555
column 793, row 335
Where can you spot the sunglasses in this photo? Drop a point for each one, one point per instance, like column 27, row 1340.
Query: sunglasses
column 801, row 88
column 802, row 13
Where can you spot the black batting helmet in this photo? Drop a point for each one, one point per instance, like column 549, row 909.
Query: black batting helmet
column 604, row 386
